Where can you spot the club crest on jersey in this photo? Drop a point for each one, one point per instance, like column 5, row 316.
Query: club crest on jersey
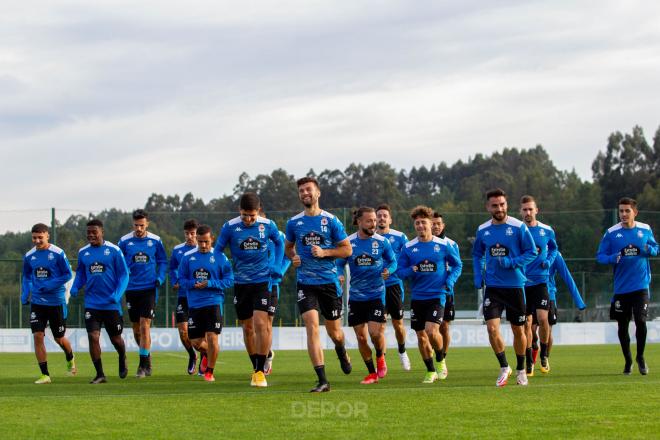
column 51, row 256
column 542, row 233
column 106, row 252
column 88, row 315
column 487, row 233
column 150, row 243
column 212, row 259
column 262, row 228
column 391, row 239
column 375, row 245
column 436, row 248
column 640, row 234
column 509, row 231
column 324, row 221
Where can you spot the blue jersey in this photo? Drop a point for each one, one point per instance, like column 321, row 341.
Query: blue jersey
column 279, row 262
column 537, row 272
column 45, row 272
column 397, row 240
column 506, row 249
column 370, row 257
column 103, row 273
column 454, row 245
column 559, row 267
column 213, row 267
column 177, row 254
column 324, row 230
column 146, row 259
column 249, row 248
column 628, row 250
column 431, row 258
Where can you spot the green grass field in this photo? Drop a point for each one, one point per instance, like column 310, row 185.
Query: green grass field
column 584, row 396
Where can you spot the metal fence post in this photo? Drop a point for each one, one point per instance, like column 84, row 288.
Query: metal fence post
column 53, row 230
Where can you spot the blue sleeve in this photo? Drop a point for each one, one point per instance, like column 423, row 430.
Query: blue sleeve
column 121, row 269
column 552, row 250
column 56, row 282
column 565, row 274
column 286, row 263
column 455, row 266
column 288, row 232
column 338, row 232
column 527, row 249
column 223, row 239
column 478, row 261
column 161, row 262
column 389, row 258
column 652, row 245
column 227, row 280
column 341, row 266
column 26, row 282
column 278, row 248
column 603, row 256
column 81, row 277
column 185, row 282
column 404, row 270
column 173, row 269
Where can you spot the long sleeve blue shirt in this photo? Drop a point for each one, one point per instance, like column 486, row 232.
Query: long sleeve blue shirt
column 45, row 272
column 213, row 267
column 177, row 254
column 537, row 272
column 146, row 260
column 559, row 267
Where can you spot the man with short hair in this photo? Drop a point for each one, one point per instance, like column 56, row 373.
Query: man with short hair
column 393, row 285
column 45, row 272
column 370, row 265
column 438, row 229
column 248, row 236
column 181, row 314
column 502, row 248
column 627, row 246
column 103, row 274
column 205, row 273
column 537, row 298
column 425, row 260
column 147, row 261
column 314, row 239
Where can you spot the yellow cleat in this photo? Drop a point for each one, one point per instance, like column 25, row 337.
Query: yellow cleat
column 43, row 379
column 253, row 382
column 545, row 365
column 260, row 380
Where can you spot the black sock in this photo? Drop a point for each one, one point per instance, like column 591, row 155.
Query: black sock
column 544, row 350
column 68, row 355
column 43, row 366
column 122, row 361
column 402, row 348
column 379, row 353
column 191, row 352
column 429, row 364
column 501, row 357
column 439, row 356
column 528, row 357
column 253, row 359
column 640, row 334
column 520, row 361
column 341, row 351
column 148, row 363
column 209, row 370
column 270, row 353
column 143, row 361
column 535, row 345
column 320, row 372
column 444, row 353
column 624, row 341
column 370, row 366
column 99, row 368
column 260, row 362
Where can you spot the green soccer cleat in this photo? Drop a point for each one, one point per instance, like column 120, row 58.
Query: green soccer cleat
column 430, row 377
column 43, row 379
column 442, row 370
column 71, row 369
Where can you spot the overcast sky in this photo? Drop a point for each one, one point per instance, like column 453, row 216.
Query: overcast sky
column 105, row 102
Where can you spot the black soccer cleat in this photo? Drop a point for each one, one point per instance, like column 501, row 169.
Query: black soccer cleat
column 627, row 368
column 345, row 363
column 643, row 368
column 192, row 361
column 123, row 370
column 320, row 388
column 97, row 380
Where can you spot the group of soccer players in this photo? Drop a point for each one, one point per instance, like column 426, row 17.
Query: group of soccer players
column 515, row 263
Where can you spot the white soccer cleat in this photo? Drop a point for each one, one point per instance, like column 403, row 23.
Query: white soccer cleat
column 268, row 366
column 503, row 378
column 442, row 370
column 521, row 377
column 405, row 361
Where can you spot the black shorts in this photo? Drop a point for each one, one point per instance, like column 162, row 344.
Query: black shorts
column 141, row 304
column 627, row 305
column 274, row 299
column 497, row 299
column 450, row 312
column 110, row 319
column 320, row 296
column 423, row 311
column 204, row 320
column 361, row 312
column 536, row 297
column 250, row 297
column 552, row 313
column 393, row 301
column 181, row 314
column 42, row 315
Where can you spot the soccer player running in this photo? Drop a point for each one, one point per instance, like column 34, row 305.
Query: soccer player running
column 205, row 273
column 181, row 314
column 314, row 239
column 45, row 271
column 438, row 229
column 103, row 273
column 627, row 246
column 502, row 248
column 537, row 298
column 372, row 262
column 393, row 284
column 247, row 237
column 147, row 261
column 425, row 260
